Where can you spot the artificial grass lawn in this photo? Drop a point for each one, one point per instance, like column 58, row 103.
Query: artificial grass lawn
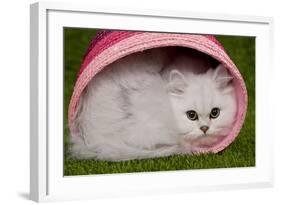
column 241, row 153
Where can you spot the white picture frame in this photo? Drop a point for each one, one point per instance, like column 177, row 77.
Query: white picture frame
column 47, row 182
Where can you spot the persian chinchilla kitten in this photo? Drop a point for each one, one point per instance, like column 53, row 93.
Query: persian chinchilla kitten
column 150, row 104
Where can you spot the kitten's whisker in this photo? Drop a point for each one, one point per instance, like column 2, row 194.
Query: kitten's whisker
column 185, row 133
column 224, row 127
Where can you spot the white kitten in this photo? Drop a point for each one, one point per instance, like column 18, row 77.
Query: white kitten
column 146, row 106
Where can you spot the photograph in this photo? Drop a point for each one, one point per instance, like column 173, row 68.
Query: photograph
column 142, row 101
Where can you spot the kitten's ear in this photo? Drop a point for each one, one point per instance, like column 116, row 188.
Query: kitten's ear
column 221, row 76
column 177, row 83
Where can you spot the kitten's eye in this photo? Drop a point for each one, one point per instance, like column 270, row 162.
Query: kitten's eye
column 215, row 112
column 192, row 115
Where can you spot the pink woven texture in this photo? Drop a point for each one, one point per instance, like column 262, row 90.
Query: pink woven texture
column 113, row 45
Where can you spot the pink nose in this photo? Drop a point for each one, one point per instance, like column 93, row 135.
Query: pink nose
column 204, row 128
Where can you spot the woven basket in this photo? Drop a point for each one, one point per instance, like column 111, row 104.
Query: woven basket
column 109, row 46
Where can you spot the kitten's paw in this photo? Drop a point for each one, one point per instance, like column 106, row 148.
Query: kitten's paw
column 187, row 148
column 206, row 142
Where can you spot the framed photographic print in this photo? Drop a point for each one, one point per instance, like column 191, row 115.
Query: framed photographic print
column 127, row 102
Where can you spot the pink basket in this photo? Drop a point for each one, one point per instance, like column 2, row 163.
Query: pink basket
column 109, row 46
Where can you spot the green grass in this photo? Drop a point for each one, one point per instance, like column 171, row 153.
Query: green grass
column 241, row 153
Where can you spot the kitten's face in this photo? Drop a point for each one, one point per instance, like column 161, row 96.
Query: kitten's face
column 203, row 104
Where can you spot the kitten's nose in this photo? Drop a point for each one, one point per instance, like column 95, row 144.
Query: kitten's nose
column 204, row 128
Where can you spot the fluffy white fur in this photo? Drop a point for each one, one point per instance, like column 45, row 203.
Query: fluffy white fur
column 136, row 107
